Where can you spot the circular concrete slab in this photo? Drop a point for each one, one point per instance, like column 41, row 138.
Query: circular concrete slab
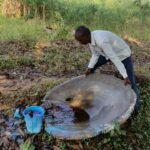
column 113, row 103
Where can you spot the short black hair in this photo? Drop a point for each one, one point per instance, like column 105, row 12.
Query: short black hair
column 82, row 31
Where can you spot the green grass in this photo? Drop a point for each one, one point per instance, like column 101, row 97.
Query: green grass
column 19, row 29
column 121, row 17
column 15, row 62
column 54, row 59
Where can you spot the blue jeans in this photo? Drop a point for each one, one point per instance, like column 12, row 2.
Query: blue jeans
column 130, row 72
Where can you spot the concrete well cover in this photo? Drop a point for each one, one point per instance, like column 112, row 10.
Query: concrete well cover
column 113, row 104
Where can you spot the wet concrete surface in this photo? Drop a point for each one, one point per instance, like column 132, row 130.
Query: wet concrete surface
column 111, row 102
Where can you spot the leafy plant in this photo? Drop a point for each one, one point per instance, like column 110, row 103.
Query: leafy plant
column 63, row 146
column 27, row 145
column 47, row 137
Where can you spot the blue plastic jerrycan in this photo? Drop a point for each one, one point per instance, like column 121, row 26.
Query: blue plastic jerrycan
column 34, row 121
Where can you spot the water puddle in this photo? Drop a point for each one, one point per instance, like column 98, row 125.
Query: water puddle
column 62, row 113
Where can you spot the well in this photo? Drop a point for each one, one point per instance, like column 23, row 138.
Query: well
column 113, row 104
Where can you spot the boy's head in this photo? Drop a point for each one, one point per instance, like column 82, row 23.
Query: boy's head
column 83, row 35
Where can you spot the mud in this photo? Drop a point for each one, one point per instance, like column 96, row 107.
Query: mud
column 81, row 100
column 62, row 113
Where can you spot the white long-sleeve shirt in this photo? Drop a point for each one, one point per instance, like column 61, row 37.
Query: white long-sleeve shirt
column 111, row 46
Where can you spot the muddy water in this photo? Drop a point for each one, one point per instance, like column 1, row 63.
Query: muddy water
column 81, row 99
column 61, row 113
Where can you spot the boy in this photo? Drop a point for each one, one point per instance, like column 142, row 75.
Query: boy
column 106, row 46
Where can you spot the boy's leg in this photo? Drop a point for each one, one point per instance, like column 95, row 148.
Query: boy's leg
column 101, row 61
column 130, row 71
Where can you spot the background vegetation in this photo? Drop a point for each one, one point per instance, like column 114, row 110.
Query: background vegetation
column 127, row 18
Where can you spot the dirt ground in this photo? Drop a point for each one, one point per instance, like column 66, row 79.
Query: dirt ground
column 17, row 79
column 29, row 78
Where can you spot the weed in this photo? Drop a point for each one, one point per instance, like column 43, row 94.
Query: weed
column 15, row 62
column 27, row 145
column 63, row 146
column 47, row 137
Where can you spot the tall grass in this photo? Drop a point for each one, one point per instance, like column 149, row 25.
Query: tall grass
column 117, row 15
column 19, row 29
column 120, row 16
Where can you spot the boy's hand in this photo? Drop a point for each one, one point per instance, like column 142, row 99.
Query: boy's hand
column 126, row 81
column 88, row 71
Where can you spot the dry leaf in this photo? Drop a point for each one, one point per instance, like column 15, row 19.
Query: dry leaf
column 56, row 148
column 4, row 141
column 80, row 145
column 74, row 147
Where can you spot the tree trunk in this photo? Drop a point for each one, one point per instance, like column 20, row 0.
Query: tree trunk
column 36, row 13
column 24, row 10
column 44, row 12
column 28, row 10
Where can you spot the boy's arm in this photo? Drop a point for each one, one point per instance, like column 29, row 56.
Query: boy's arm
column 93, row 59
